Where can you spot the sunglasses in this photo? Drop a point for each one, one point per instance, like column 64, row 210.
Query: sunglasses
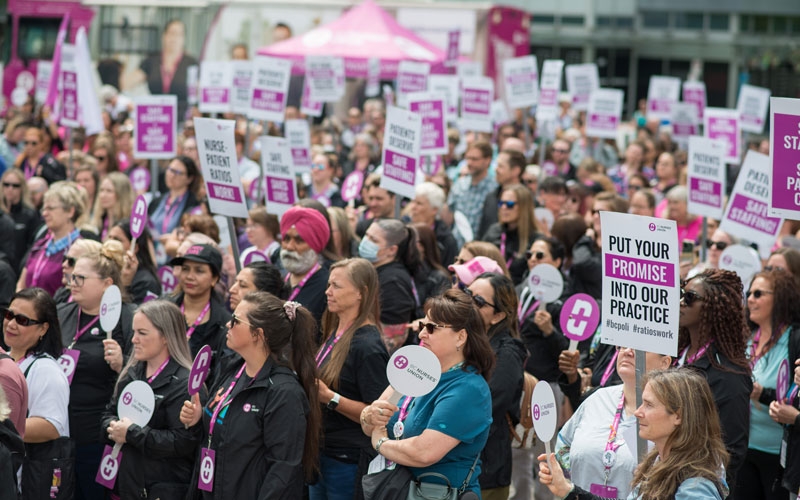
column 773, row 268
column 479, row 301
column 757, row 294
column 20, row 319
column 235, row 320
column 318, row 166
column 721, row 245
column 176, row 172
column 101, row 158
column 507, row 204
column 12, row 185
column 431, row 327
column 70, row 261
column 538, row 255
column 690, row 297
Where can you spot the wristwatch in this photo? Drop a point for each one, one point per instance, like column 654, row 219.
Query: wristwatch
column 334, row 402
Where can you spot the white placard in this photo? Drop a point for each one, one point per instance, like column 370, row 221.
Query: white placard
column 373, row 87
column 240, row 89
column 192, row 84
column 299, row 136
column 477, row 95
column 544, row 411
column 545, row 283
column 641, row 282
column 269, row 89
column 742, row 260
column 137, row 403
column 307, row 105
column 450, row 87
column 431, row 108
column 746, row 215
column 723, row 125
column 549, row 88
column 500, row 114
column 401, row 143
column 521, row 78
column 605, row 113
column 325, row 77
column 685, row 122
column 661, row 94
column 695, row 93
column 70, row 96
column 411, row 77
column 582, row 79
column 216, row 80
column 706, row 177
column 110, row 308
column 752, row 107
column 413, row 371
column 784, row 151
column 156, row 130
column 216, row 147
column 469, row 69
column 281, row 188
column 43, row 71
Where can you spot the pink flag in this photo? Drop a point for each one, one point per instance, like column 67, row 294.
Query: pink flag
column 52, row 87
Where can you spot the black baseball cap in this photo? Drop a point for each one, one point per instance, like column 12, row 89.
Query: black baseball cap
column 205, row 254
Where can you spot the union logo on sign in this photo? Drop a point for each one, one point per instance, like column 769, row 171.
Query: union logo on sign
column 127, row 398
column 652, row 226
column 536, row 412
column 401, row 362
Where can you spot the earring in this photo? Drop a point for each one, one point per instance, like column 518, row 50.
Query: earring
column 458, row 348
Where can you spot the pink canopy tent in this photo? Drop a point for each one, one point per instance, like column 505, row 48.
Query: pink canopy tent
column 363, row 32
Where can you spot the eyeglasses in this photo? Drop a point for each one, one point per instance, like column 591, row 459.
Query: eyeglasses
column 479, row 301
column 562, row 151
column 318, row 166
column 20, row 319
column 78, row 279
column 507, row 204
column 51, row 208
column 175, row 171
column 721, row 245
column 457, row 282
column 70, row 261
column 538, row 255
column 773, row 268
column 431, row 327
column 757, row 294
column 689, row 297
column 235, row 320
column 11, row 185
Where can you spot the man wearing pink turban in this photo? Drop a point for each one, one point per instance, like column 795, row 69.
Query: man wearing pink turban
column 305, row 232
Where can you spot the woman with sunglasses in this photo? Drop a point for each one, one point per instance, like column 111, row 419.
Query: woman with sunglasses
column 77, row 250
column 36, row 161
column 773, row 317
column 104, row 152
column 63, row 206
column 322, row 187
column 352, row 373
column 496, row 300
column 93, row 357
column 160, row 455
column 183, row 180
column 712, row 339
column 114, row 203
column 516, row 228
column 16, row 201
column 715, row 244
column 434, row 433
column 139, row 276
column 262, row 425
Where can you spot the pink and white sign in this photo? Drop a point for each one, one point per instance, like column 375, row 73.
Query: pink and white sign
column 469, row 69
column 140, row 179
column 43, row 71
column 242, row 82
column 351, row 187
column 685, row 122
column 782, row 382
column 325, row 76
column 401, row 142
column 641, row 282
column 695, row 93
column 200, row 369
column 308, row 106
column 70, row 103
column 450, row 87
column 784, row 139
column 411, row 77
column 216, row 80
column 580, row 316
column 477, row 95
column 605, row 113
column 269, row 89
column 723, row 125
column 138, row 220
column 752, row 106
column 746, row 215
column 276, row 159
column 299, row 137
column 373, row 88
column 217, row 150
column 167, row 279
column 662, row 93
column 549, row 88
column 707, row 176
column 453, row 44
column 431, row 109
column 192, row 84
column 156, row 127
column 582, row 79
column 521, row 81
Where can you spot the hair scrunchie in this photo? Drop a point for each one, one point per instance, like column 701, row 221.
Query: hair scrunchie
column 289, row 308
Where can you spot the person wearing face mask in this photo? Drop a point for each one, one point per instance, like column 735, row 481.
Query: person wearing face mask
column 305, row 232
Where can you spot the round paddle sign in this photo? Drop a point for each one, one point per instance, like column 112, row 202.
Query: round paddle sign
column 200, row 368
column 544, row 411
column 110, row 308
column 352, row 185
column 545, row 283
column 742, row 260
column 782, row 383
column 139, row 216
column 413, row 371
column 580, row 316
column 137, row 402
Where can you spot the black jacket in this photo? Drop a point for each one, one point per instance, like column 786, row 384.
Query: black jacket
column 448, row 247
column 544, row 350
column 144, row 281
column 258, row 438
column 489, row 215
column 12, row 451
column 27, row 222
column 586, row 273
column 429, row 283
column 516, row 262
column 158, row 458
column 49, row 169
column 398, row 304
column 506, row 387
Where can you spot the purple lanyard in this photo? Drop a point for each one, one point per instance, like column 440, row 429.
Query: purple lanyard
column 690, row 360
column 40, row 262
column 104, row 233
column 81, row 331
column 611, row 444
column 169, row 211
column 404, row 409
column 299, row 287
column 609, row 369
column 160, row 369
column 503, row 249
column 321, row 356
column 197, row 321
column 523, row 315
column 222, row 404
column 792, row 393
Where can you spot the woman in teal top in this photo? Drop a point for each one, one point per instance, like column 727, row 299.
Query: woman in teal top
column 772, row 310
column 445, row 430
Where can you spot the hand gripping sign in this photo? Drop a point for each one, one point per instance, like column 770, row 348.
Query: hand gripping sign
column 136, row 403
column 580, row 316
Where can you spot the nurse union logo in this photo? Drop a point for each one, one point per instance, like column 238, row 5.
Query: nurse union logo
column 652, row 226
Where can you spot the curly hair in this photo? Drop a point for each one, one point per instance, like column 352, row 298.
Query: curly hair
column 785, row 297
column 721, row 317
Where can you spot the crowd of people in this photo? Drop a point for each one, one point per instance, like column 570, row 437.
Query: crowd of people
column 297, row 403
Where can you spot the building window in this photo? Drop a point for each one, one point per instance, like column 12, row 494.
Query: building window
column 572, row 20
column 541, row 19
column 655, row 19
column 795, row 25
column 780, row 25
column 719, row 22
column 760, row 24
column 625, row 22
column 603, row 22
column 688, row 21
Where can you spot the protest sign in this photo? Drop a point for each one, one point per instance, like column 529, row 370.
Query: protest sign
column 752, row 107
column 605, row 113
column 307, row 105
column 742, row 260
column 325, row 77
column 641, row 292
column 706, row 177
column 499, row 114
column 216, row 148
column 167, row 279
column 351, row 187
column 401, row 143
column 746, row 214
column 545, row 283
column 784, row 140
column 156, row 127
column 450, row 87
column 413, row 371
column 469, row 69
column 431, row 109
column 411, row 77
column 242, row 80
column 70, row 100
column 723, row 125
column 453, row 43
column 269, row 89
column 545, row 414
column 201, row 366
column 685, row 122
column 281, row 187
column 579, row 318
column 299, row 136
column 110, row 309
column 782, row 381
column 138, row 219
column 216, row 80
column 521, row 78
column 477, row 95
column 582, row 79
column 695, row 93
column 192, row 84
column 43, row 71
column 662, row 93
column 373, row 87
column 549, row 88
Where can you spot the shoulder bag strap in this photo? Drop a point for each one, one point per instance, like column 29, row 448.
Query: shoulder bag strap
column 32, row 363
column 465, row 484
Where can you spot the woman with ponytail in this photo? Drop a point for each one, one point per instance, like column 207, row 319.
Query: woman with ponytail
column 352, row 373
column 92, row 357
column 261, row 425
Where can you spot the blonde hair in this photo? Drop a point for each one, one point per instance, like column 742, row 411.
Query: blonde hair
column 68, row 194
column 527, row 225
column 85, row 246
column 25, row 198
column 122, row 209
column 108, row 261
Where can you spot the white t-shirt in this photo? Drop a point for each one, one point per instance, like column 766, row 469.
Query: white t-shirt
column 48, row 392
